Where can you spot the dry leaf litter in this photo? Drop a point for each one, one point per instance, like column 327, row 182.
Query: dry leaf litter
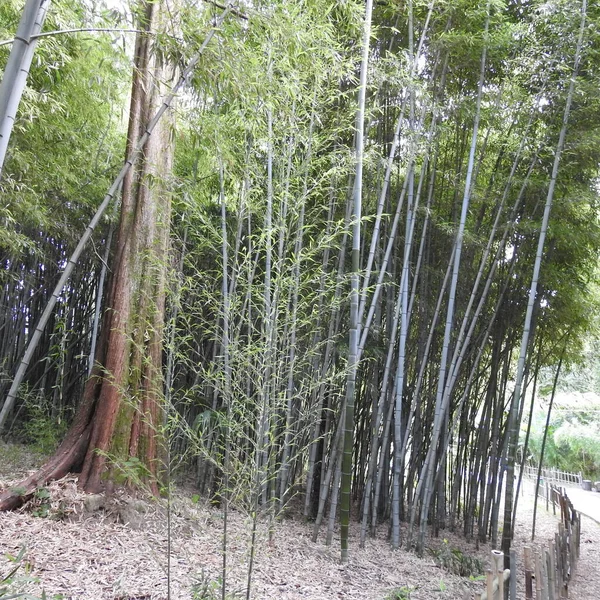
column 96, row 548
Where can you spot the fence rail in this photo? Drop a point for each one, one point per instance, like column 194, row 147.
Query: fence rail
column 553, row 476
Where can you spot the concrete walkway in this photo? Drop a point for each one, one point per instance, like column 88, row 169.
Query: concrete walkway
column 587, row 503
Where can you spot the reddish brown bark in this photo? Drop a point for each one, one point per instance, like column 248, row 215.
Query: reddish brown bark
column 129, row 408
column 121, row 412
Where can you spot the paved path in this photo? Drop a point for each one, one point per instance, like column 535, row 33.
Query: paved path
column 587, row 503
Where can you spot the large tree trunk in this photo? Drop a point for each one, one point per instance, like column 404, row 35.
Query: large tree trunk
column 129, row 388
column 121, row 412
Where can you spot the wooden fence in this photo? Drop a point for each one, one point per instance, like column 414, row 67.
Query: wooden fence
column 548, row 567
column 553, row 476
column 499, row 583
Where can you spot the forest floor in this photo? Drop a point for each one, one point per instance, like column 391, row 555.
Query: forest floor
column 81, row 547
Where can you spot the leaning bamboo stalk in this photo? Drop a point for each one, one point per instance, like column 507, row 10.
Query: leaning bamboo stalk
column 476, row 362
column 419, row 262
column 406, row 304
column 543, row 448
column 364, row 331
column 336, row 448
column 507, row 532
column 16, row 71
column 400, row 371
column 329, row 347
column 373, row 455
column 417, row 392
column 298, row 247
column 464, row 336
column 334, row 503
column 261, row 466
column 99, row 296
column 389, row 165
column 464, row 346
column 227, row 373
column 131, row 160
column 385, row 442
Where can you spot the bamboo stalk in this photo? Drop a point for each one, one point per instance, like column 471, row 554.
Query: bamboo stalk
column 17, row 67
column 346, row 475
column 441, row 404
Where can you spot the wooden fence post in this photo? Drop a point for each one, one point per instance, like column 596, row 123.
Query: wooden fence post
column 528, row 574
column 559, row 564
column 513, row 575
column 490, row 584
column 552, row 571
column 544, row 575
column 498, row 566
column 538, row 577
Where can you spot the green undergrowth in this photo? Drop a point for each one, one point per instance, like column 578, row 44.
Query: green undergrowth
column 15, row 578
column 206, row 588
column 401, row 593
column 456, row 561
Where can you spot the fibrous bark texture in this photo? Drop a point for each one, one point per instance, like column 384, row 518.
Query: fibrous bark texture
column 121, row 412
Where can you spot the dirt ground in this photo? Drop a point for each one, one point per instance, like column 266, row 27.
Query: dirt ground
column 91, row 548
column 586, row 582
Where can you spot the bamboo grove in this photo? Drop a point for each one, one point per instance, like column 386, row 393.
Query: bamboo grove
column 384, row 224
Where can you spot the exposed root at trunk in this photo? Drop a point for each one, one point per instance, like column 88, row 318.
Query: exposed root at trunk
column 69, row 454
